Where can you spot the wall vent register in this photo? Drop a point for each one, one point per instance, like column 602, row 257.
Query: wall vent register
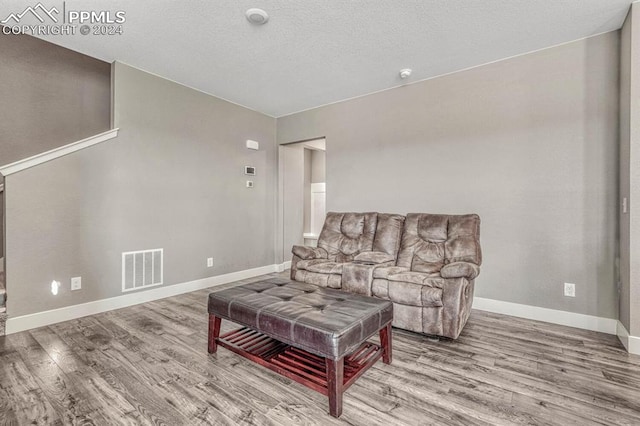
column 142, row 269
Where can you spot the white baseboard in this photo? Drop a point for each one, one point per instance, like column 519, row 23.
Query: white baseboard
column 283, row 266
column 40, row 319
column 631, row 343
column 571, row 319
column 623, row 335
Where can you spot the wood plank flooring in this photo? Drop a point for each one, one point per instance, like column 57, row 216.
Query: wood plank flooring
column 148, row 364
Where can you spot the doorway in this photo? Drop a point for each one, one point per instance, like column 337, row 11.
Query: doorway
column 303, row 184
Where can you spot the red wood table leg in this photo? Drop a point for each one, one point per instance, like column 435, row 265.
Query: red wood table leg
column 335, row 385
column 385, row 342
column 214, row 332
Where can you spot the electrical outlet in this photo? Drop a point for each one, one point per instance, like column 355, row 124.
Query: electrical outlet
column 209, row 262
column 76, row 283
column 249, row 184
column 569, row 289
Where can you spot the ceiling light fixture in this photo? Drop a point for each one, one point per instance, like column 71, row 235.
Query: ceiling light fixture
column 257, row 16
column 405, row 73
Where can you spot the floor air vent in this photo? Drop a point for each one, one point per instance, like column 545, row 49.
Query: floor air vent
column 141, row 269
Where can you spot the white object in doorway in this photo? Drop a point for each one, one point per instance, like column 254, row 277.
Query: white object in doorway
column 318, row 207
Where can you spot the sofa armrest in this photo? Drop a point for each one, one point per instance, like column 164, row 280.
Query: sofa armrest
column 373, row 258
column 466, row 270
column 306, row 253
column 457, row 299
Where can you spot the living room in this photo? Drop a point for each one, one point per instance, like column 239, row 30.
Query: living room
column 135, row 146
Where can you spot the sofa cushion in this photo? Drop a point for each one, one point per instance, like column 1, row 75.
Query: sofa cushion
column 432, row 280
column 304, row 252
column 429, row 258
column 304, row 264
column 384, row 272
column 380, row 288
column 433, row 227
column 460, row 269
column 423, row 242
column 388, row 234
column 322, row 280
column 374, row 257
column 463, row 244
column 414, row 294
column 431, row 241
column 326, row 267
column 345, row 235
column 407, row 293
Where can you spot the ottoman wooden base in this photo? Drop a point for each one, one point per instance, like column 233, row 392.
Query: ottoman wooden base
column 327, row 376
column 315, row 336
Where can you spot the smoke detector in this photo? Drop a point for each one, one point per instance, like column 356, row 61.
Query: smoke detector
column 405, row 73
column 257, row 16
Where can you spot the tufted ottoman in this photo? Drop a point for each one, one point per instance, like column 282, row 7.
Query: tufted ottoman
column 315, row 336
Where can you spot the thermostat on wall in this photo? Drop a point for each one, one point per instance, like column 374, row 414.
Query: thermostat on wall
column 249, row 170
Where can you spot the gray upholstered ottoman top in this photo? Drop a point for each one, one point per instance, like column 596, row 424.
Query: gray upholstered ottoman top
column 323, row 321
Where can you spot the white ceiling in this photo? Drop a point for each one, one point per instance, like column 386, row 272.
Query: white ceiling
column 315, row 52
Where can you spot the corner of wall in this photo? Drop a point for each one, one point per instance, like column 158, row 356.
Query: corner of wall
column 277, row 225
column 630, row 343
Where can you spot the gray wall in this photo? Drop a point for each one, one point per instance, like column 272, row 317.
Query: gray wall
column 630, row 172
column 625, row 116
column 529, row 143
column 173, row 179
column 308, row 172
column 318, row 164
column 292, row 166
column 51, row 96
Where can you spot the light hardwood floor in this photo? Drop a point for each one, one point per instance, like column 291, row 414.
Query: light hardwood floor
column 148, row 364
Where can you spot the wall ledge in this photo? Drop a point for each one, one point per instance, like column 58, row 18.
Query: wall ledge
column 20, row 165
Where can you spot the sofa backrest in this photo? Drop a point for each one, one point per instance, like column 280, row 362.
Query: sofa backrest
column 388, row 233
column 430, row 241
column 345, row 235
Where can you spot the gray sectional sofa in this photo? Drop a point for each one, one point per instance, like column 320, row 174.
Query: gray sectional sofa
column 424, row 263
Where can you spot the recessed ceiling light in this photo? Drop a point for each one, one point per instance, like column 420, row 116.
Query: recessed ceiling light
column 257, row 16
column 405, row 73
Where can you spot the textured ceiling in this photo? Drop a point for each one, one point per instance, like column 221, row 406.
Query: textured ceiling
column 315, row 52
